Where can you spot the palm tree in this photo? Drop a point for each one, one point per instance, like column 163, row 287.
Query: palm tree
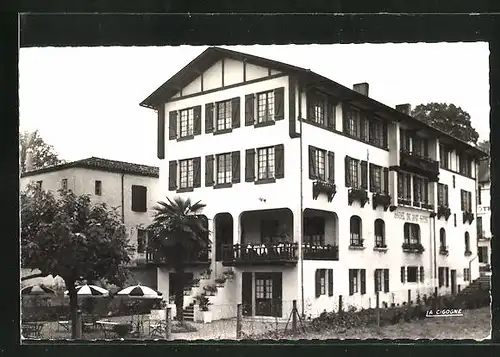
column 179, row 232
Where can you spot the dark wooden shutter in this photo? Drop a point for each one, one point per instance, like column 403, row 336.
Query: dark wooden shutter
column 446, row 195
column 172, row 125
column 364, row 175
column 372, row 177
column 469, row 201
column 246, row 293
column 209, row 118
column 311, row 101
column 447, row 272
column 440, row 276
column 425, row 143
column 236, row 166
column 172, row 175
column 209, row 170
column 384, row 135
column 386, row 280
column 279, row 153
column 422, row 274
column 330, row 112
column 312, row 162
column 330, row 282
column 317, row 280
column 331, row 166
column 277, row 310
column 386, row 180
column 197, row 171
column 351, row 281
column 363, row 281
column 403, row 274
column 362, row 125
column 279, row 103
column 345, row 118
column 347, row 171
column 235, row 115
column 462, row 201
column 249, row 109
column 197, row 120
column 161, row 132
column 139, row 198
column 250, row 165
column 375, row 280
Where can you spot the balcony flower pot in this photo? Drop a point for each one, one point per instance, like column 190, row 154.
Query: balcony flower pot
column 195, row 282
column 381, row 199
column 210, row 290
column 468, row 253
column 468, row 217
column 443, row 250
column 206, row 274
column 328, row 188
column 357, row 194
column 228, row 274
column 357, row 245
column 219, row 282
column 380, row 247
column 413, row 248
column 443, row 212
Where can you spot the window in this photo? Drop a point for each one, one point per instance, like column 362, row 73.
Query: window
column 39, row 185
column 404, row 187
column 479, row 227
column 442, row 195
column 319, row 109
column 465, row 201
column 142, row 240
column 186, row 173
column 467, row 242
column 411, row 233
column 186, row 122
column 381, row 280
column 357, row 281
column 356, row 239
column 322, row 282
column 353, row 173
column 269, row 231
column 420, row 190
column 314, row 230
column 224, row 168
column 464, row 164
column 263, row 288
column 139, row 198
column 377, row 179
column 420, row 146
column 320, row 163
column 412, row 273
column 379, row 233
column 466, row 274
column 404, row 140
column 482, row 253
column 98, row 188
column 266, row 163
column 442, row 238
column 224, row 115
column 353, row 123
column 64, row 184
column 377, row 132
column 265, row 107
column 444, row 157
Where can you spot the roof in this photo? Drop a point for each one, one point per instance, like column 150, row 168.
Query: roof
column 213, row 54
column 96, row 163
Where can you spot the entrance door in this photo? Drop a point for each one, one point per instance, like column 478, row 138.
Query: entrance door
column 173, row 282
column 223, row 233
column 453, row 281
column 246, row 294
column 268, row 294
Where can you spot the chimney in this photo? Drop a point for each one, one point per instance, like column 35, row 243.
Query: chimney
column 28, row 162
column 361, row 88
column 404, row 108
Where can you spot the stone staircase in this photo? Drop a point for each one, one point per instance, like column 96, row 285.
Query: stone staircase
column 481, row 283
column 189, row 312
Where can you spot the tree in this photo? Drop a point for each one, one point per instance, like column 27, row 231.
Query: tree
column 178, row 233
column 43, row 153
column 70, row 237
column 448, row 118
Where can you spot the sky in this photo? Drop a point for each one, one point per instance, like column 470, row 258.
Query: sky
column 85, row 100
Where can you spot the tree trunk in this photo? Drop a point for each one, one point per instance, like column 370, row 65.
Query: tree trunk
column 73, row 306
column 179, row 294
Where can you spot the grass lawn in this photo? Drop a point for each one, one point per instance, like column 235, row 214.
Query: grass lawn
column 475, row 324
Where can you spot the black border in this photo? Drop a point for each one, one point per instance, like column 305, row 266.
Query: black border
column 245, row 29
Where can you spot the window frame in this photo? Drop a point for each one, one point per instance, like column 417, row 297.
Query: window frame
column 414, row 233
column 320, row 163
column 410, row 268
column 187, row 173
column 269, row 104
column 226, row 159
column 356, row 236
column 379, row 239
column 98, row 187
column 227, row 119
column 186, row 121
column 64, row 184
column 269, row 158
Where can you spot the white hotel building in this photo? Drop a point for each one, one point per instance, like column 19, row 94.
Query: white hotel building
column 313, row 190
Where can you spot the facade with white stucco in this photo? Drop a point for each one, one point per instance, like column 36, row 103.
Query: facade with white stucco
column 314, row 192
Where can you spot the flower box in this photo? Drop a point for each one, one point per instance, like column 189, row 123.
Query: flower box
column 443, row 212
column 358, row 244
column 443, row 250
column 413, row 248
column 381, row 199
column 468, row 217
column 320, row 186
column 357, row 194
column 467, row 253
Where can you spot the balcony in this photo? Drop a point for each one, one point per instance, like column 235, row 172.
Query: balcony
column 416, row 248
column 443, row 250
column 443, row 212
column 381, row 199
column 357, row 194
column 259, row 254
column 201, row 258
column 320, row 252
column 420, row 165
column 468, row 217
column 328, row 188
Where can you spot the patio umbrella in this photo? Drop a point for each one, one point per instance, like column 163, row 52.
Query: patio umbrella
column 37, row 289
column 89, row 291
column 139, row 291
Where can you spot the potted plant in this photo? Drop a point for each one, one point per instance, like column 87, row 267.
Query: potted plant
column 326, row 187
column 381, row 199
column 219, row 282
column 443, row 212
column 468, row 217
column 228, row 274
column 195, row 282
column 203, row 302
column 210, row 289
column 413, row 247
column 206, row 274
column 358, row 194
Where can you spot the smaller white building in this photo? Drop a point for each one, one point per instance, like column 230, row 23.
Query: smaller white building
column 127, row 186
column 484, row 218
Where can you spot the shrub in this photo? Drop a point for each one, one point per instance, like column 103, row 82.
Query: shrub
column 122, row 329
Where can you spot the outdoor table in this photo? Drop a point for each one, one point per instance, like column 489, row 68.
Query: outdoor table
column 107, row 326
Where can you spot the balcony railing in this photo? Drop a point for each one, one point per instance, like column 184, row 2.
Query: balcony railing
column 202, row 257
column 260, row 254
column 424, row 166
column 417, row 248
column 320, row 252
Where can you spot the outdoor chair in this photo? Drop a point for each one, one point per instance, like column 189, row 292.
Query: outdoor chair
column 64, row 323
column 157, row 323
column 88, row 322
